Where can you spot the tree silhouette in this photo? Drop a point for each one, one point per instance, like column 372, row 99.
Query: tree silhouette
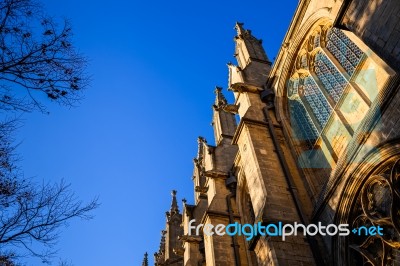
column 37, row 59
column 37, row 63
column 31, row 213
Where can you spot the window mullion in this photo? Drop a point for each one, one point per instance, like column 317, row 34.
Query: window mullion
column 337, row 64
column 330, row 99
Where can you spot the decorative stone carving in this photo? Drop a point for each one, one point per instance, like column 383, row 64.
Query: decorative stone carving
column 378, row 204
column 202, row 190
column 190, row 238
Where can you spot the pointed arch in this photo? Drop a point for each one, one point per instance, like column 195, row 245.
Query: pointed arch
column 371, row 196
column 325, row 81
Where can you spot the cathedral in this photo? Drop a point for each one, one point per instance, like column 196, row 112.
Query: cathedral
column 312, row 139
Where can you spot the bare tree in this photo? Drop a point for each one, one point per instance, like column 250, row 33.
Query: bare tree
column 32, row 213
column 37, row 59
column 37, row 62
column 35, row 214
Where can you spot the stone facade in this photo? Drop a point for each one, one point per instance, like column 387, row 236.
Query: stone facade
column 170, row 251
column 317, row 142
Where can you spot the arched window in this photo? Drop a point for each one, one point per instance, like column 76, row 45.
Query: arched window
column 319, row 82
column 376, row 204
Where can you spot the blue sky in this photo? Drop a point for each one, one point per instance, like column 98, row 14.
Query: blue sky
column 154, row 66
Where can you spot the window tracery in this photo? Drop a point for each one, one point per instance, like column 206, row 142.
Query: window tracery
column 344, row 50
column 316, row 100
column 301, row 121
column 318, row 81
column 377, row 204
column 328, row 74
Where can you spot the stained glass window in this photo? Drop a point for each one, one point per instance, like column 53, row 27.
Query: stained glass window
column 308, row 105
column 317, row 101
column 344, row 50
column 302, row 124
column 329, row 75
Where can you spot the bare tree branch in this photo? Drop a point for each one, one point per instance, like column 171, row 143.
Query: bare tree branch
column 37, row 62
column 37, row 58
column 32, row 213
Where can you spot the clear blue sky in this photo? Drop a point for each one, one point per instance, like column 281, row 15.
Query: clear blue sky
column 131, row 141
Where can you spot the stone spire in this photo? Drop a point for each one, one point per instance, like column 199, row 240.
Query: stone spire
column 248, row 48
column 145, row 260
column 253, row 63
column 224, row 122
column 159, row 257
column 220, row 100
column 174, row 203
column 239, row 28
column 173, row 230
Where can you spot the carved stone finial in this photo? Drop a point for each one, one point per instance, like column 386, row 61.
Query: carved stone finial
column 200, row 149
column 201, row 139
column 174, row 203
column 220, row 100
column 239, row 28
